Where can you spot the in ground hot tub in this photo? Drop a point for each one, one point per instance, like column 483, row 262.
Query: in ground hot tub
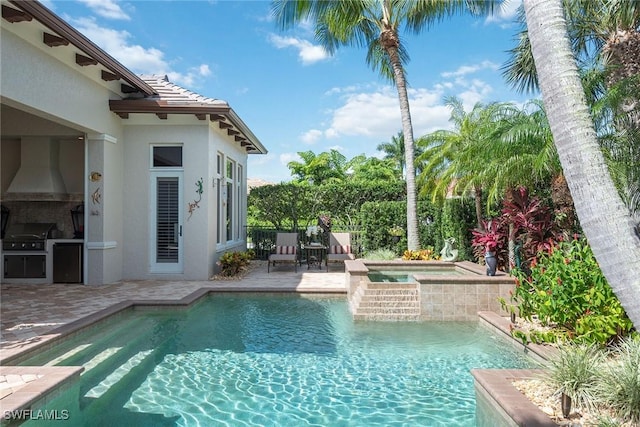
column 445, row 290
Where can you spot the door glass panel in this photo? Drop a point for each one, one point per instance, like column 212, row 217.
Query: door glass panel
column 168, row 227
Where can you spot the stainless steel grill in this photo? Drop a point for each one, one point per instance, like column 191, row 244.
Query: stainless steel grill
column 28, row 236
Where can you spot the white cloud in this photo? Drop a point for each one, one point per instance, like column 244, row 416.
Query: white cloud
column 311, row 136
column 374, row 114
column 285, row 158
column 107, row 9
column 139, row 59
column 470, row 69
column 204, row 70
column 307, row 52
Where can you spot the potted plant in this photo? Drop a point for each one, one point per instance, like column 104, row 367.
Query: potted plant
column 488, row 240
column 313, row 233
column 396, row 233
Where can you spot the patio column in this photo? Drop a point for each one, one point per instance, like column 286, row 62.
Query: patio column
column 103, row 209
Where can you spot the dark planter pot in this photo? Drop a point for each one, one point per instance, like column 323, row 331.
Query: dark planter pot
column 565, row 404
column 492, row 263
column 395, row 239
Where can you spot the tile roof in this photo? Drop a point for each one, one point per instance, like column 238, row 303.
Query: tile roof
column 174, row 94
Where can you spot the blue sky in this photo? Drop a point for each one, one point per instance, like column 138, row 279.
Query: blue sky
column 292, row 95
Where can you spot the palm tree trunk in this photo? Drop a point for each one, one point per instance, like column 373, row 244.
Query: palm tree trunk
column 477, row 190
column 389, row 41
column 604, row 218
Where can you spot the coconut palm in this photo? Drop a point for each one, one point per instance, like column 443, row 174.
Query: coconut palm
column 376, row 24
column 604, row 32
column 605, row 37
column 602, row 214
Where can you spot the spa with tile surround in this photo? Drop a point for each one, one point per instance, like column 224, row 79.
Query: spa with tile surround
column 435, row 290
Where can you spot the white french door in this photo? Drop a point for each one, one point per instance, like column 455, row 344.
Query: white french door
column 166, row 222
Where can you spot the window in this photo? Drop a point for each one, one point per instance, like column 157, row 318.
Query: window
column 219, row 215
column 167, row 156
column 231, row 184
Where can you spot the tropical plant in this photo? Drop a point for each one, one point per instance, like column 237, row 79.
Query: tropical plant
column 574, row 371
column 427, row 254
column 619, row 387
column 376, row 25
column 454, row 160
column 394, row 151
column 532, row 224
column 232, row 263
column 566, row 290
column 371, row 169
column 603, row 216
column 491, row 237
column 285, row 206
column 320, row 168
column 605, row 38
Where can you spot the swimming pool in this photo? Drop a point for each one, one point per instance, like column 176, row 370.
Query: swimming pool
column 275, row 360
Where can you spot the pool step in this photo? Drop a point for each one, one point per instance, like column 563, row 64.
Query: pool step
column 391, row 302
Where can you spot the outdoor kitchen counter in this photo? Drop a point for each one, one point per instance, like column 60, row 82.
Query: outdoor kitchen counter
column 48, row 253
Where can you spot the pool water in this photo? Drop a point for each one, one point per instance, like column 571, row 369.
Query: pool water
column 257, row 360
column 407, row 275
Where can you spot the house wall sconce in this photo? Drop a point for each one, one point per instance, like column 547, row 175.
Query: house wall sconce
column 95, row 177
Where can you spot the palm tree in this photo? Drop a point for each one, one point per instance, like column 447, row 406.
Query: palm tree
column 602, row 32
column 604, row 218
column 394, row 151
column 605, row 37
column 376, row 24
column 458, row 160
column 318, row 169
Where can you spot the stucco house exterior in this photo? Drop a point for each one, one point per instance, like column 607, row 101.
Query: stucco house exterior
column 158, row 172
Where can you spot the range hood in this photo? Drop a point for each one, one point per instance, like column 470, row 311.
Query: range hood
column 38, row 177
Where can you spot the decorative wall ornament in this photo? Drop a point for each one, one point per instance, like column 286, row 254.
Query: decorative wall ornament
column 96, row 196
column 196, row 203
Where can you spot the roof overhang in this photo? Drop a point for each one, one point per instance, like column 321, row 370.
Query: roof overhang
column 224, row 115
column 65, row 34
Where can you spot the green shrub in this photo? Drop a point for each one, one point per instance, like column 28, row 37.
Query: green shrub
column 377, row 218
column 381, row 254
column 231, row 263
column 567, row 291
column 458, row 218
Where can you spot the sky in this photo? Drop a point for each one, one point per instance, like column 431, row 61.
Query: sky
column 284, row 86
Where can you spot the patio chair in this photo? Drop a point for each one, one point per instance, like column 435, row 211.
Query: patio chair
column 339, row 249
column 286, row 250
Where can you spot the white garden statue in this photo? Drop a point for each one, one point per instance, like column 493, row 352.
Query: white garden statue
column 448, row 253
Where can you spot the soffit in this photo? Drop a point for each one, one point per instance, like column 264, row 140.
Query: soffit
column 173, row 99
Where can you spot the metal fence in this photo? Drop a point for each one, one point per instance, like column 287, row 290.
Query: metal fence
column 262, row 240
